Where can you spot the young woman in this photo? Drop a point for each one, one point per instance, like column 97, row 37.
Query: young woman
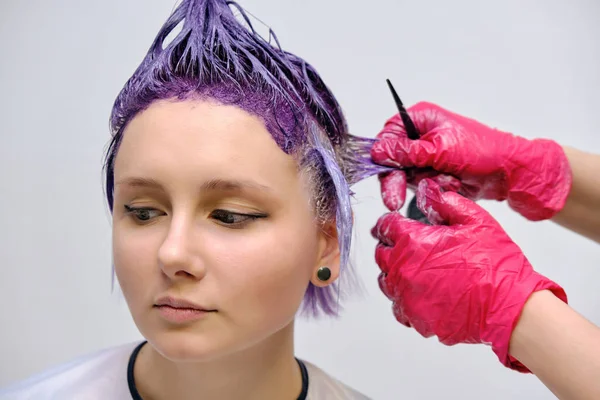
column 228, row 179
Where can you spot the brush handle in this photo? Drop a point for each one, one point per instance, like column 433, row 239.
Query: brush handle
column 413, row 134
column 413, row 212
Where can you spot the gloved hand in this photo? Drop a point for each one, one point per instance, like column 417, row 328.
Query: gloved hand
column 477, row 161
column 461, row 279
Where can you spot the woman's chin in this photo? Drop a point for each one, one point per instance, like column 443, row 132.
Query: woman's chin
column 187, row 346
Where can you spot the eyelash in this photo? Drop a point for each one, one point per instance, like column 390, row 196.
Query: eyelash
column 219, row 215
column 247, row 218
column 136, row 212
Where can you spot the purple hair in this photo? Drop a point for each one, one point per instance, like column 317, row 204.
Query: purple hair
column 215, row 56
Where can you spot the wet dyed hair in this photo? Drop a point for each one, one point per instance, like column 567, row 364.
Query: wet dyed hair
column 219, row 57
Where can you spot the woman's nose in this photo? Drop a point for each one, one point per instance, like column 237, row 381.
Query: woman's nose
column 178, row 255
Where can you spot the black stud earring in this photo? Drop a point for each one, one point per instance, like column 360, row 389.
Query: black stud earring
column 324, row 274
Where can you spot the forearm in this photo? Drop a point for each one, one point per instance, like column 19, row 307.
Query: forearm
column 559, row 346
column 581, row 213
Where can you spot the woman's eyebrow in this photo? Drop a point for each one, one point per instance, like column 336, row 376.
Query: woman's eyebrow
column 139, row 182
column 218, row 184
column 230, row 185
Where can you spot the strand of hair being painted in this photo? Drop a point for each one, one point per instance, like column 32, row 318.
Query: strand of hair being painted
column 356, row 159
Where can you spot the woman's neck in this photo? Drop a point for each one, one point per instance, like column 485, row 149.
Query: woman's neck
column 267, row 370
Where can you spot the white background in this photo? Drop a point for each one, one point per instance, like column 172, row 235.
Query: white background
column 529, row 67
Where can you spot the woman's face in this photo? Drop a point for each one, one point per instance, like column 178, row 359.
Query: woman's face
column 210, row 211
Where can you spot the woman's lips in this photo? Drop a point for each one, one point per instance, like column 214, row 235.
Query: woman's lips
column 180, row 311
column 181, row 315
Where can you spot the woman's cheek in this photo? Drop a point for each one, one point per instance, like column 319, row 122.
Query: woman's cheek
column 270, row 270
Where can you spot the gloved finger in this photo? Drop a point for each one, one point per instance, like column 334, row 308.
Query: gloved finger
column 387, row 290
column 391, row 227
column 447, row 207
column 393, row 189
column 423, row 327
column 393, row 127
column 391, row 279
column 423, row 114
column 383, row 240
column 427, row 116
column 387, row 134
column 400, row 315
column 382, row 257
column 448, row 183
column 403, row 152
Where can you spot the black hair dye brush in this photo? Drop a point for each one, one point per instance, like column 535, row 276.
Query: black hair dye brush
column 413, row 134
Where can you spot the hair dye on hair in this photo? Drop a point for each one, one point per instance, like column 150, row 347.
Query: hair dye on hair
column 217, row 56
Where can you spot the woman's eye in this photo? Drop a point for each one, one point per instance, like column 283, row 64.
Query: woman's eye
column 233, row 219
column 142, row 214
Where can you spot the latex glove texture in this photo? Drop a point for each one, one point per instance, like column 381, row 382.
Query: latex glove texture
column 475, row 160
column 462, row 279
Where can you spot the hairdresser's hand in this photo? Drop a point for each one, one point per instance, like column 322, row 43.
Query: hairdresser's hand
column 461, row 279
column 477, row 161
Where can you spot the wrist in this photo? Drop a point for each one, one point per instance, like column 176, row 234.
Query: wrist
column 523, row 335
column 539, row 178
column 542, row 315
column 517, row 311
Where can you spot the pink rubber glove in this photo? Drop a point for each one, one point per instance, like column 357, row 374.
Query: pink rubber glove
column 464, row 281
column 477, row 161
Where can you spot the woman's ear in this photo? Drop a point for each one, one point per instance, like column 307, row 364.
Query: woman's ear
column 327, row 269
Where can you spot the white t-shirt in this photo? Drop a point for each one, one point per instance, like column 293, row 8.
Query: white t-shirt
column 103, row 375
